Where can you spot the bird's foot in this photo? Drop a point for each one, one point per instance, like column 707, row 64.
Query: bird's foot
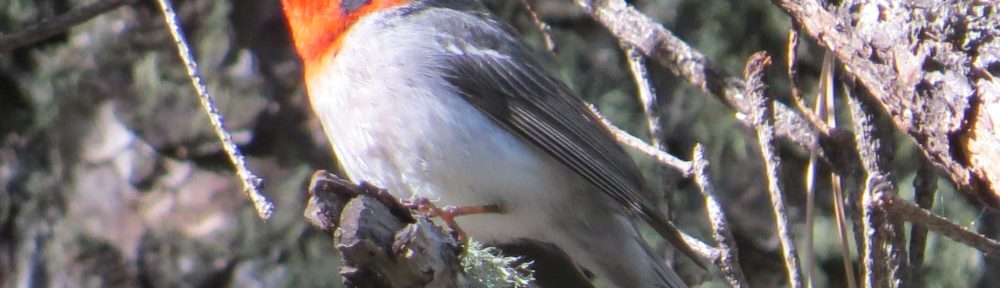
column 449, row 213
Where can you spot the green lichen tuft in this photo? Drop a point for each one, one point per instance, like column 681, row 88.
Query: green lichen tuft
column 489, row 268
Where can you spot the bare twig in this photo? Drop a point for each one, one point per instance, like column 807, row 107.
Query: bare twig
column 793, row 75
column 924, row 188
column 647, row 94
column 705, row 251
column 811, row 170
column 664, row 158
column 853, row 201
column 845, row 252
column 800, row 105
column 727, row 259
column 826, row 110
column 550, row 44
column 763, row 118
column 251, row 183
column 810, row 256
column 874, row 257
column 882, row 261
column 919, row 216
column 57, row 25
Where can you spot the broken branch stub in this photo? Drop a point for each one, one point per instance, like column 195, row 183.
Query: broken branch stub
column 382, row 243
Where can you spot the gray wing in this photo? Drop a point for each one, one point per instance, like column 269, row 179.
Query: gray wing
column 504, row 79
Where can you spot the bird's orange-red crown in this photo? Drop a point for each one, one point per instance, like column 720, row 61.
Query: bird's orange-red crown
column 317, row 25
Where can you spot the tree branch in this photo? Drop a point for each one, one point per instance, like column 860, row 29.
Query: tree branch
column 763, row 118
column 251, row 183
column 51, row 27
column 884, row 260
column 919, row 216
column 647, row 94
column 664, row 158
column 924, row 188
column 727, row 252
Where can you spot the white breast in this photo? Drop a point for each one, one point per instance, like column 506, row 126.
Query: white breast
column 395, row 123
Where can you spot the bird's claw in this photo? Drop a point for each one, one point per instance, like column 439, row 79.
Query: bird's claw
column 449, row 213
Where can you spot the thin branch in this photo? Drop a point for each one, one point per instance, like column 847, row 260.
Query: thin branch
column 882, row 260
column 875, row 257
column 853, row 201
column 800, row 105
column 647, row 94
column 664, row 158
column 251, row 183
column 705, row 251
column 924, row 188
column 763, row 117
column 51, row 27
column 919, row 216
column 811, row 168
column 810, row 256
column 792, row 49
column 727, row 259
column 826, row 109
column 845, row 252
column 550, row 44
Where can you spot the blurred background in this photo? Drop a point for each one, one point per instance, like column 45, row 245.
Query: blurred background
column 110, row 175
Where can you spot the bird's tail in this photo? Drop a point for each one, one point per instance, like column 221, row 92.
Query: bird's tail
column 666, row 275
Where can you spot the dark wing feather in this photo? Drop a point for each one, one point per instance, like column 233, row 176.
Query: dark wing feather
column 504, row 80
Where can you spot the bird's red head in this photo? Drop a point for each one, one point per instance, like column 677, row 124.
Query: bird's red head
column 317, row 25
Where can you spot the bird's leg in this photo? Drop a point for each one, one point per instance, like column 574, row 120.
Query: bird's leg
column 448, row 214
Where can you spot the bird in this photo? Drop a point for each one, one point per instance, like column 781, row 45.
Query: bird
column 438, row 99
